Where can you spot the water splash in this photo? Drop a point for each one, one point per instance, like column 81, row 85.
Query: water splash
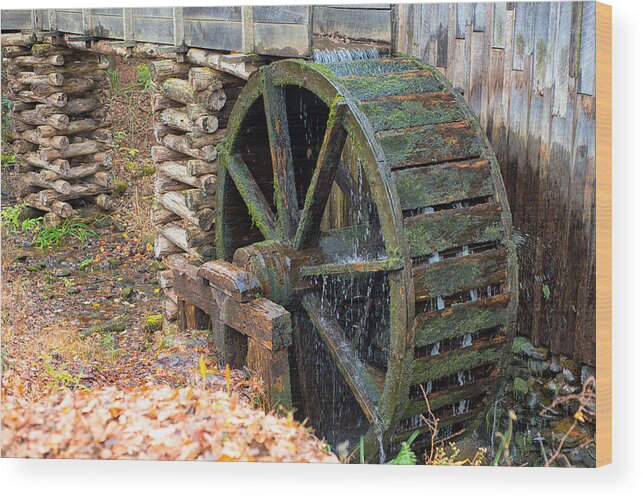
column 344, row 55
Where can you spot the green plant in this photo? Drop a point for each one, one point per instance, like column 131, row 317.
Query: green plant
column 71, row 228
column 108, row 342
column 61, row 377
column 505, row 441
column 406, row 456
column 6, row 121
column 11, row 216
column 546, row 291
column 144, row 78
column 114, row 80
column 8, row 160
column 86, row 263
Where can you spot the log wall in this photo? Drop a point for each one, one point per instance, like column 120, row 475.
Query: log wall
column 528, row 71
column 191, row 105
column 59, row 119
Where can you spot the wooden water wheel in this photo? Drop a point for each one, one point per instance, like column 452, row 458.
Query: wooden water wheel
column 367, row 202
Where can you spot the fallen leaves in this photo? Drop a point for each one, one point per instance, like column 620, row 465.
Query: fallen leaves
column 153, row 422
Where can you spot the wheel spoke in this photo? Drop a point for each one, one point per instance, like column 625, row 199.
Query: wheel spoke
column 355, row 373
column 259, row 208
column 274, row 97
column 322, row 181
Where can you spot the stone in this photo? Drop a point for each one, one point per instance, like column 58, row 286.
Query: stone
column 586, row 372
column 521, row 346
column 115, row 325
column 36, row 266
column 537, row 366
column 127, row 292
column 540, row 353
column 63, row 273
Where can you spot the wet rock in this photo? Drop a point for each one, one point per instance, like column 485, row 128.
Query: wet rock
column 521, row 346
column 35, row 267
column 63, row 273
column 554, row 364
column 537, row 366
column 540, row 353
column 586, row 372
column 20, row 258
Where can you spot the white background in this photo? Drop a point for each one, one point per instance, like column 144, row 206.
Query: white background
column 97, row 479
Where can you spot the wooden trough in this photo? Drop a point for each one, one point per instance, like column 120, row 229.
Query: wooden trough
column 366, row 252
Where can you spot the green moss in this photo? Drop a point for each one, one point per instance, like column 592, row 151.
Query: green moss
column 154, row 323
column 469, row 359
column 520, row 388
column 398, row 114
column 457, row 321
column 546, row 291
column 389, row 85
column 319, row 68
column 427, row 235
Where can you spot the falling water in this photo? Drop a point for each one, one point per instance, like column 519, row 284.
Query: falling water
column 344, row 55
column 467, row 340
column 436, row 348
column 460, row 408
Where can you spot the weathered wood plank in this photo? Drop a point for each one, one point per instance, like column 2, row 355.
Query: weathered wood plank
column 355, row 24
column 499, row 25
column 430, row 144
column 433, row 185
column 449, row 229
column 282, row 14
column 460, row 319
column 396, row 112
column 262, row 320
column 524, row 33
column 230, row 279
column 464, row 273
column 455, row 361
column 587, row 61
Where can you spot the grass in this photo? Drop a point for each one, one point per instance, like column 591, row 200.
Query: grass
column 71, row 228
column 44, row 237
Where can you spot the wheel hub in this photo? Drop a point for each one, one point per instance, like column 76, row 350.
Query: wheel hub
column 270, row 263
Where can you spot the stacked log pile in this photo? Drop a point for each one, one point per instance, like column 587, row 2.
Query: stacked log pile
column 60, row 123
column 191, row 106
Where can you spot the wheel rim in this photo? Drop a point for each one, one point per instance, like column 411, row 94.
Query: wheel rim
column 292, row 223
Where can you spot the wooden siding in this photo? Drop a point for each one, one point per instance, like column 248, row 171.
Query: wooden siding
column 372, row 22
column 528, row 72
column 267, row 30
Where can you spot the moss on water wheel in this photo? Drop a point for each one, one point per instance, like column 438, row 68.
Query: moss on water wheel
column 373, row 182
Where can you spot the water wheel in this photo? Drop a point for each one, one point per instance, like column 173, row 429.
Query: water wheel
column 366, row 200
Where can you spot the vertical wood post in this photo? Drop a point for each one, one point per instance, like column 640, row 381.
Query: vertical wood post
column 179, row 31
column 248, row 29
